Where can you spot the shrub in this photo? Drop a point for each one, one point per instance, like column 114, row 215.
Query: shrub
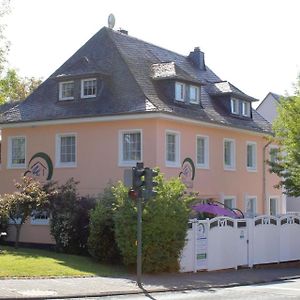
column 165, row 220
column 101, row 242
column 69, row 223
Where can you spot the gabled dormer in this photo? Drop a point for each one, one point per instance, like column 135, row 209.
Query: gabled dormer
column 176, row 84
column 232, row 100
column 82, row 80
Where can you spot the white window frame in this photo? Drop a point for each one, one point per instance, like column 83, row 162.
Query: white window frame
column 233, row 198
column 61, row 98
column 246, row 109
column 10, row 165
column 277, row 204
column 230, row 167
column 176, row 163
column 273, row 147
column 82, row 88
column 234, row 104
column 37, row 221
column 197, row 91
column 254, row 156
column 177, row 96
column 128, row 163
column 204, row 165
column 58, row 163
column 250, row 214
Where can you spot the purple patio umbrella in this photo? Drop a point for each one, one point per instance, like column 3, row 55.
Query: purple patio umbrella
column 215, row 209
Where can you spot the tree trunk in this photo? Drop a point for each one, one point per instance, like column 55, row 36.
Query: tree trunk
column 18, row 231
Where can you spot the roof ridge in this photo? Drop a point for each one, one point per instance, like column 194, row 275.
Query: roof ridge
column 140, row 40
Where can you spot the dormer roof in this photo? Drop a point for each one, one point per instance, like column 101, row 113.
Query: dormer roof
column 226, row 88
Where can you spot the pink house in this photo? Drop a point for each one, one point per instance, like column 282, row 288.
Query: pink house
column 119, row 100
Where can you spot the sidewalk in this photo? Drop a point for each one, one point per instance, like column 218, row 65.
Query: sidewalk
column 99, row 286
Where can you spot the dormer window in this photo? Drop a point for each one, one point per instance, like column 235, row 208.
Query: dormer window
column 241, row 108
column 179, row 91
column 194, row 94
column 245, row 109
column 234, row 106
column 66, row 90
column 88, row 88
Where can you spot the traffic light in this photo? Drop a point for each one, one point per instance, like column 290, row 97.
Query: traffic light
column 138, row 173
column 149, row 183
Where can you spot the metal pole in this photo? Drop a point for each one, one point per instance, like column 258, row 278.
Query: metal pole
column 139, row 242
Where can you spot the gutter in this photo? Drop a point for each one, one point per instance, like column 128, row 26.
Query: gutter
column 264, row 191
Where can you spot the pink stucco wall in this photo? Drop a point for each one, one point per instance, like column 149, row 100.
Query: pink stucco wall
column 98, row 159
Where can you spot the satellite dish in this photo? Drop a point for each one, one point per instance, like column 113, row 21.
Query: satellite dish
column 111, row 21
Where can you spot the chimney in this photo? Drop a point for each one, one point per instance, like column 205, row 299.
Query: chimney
column 123, row 31
column 197, row 57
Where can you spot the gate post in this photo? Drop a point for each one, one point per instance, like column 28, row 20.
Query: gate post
column 250, row 250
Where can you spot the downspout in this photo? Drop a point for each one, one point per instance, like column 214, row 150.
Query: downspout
column 264, row 192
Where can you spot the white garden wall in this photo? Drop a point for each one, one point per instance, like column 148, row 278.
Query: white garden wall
column 222, row 242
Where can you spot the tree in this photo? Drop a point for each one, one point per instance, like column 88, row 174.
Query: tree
column 287, row 136
column 21, row 204
column 12, row 86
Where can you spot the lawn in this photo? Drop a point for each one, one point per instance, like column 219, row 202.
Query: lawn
column 26, row 262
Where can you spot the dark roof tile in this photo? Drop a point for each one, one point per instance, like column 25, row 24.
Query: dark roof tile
column 128, row 70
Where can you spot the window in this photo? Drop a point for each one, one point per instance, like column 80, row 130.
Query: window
column 274, row 153
column 194, row 94
column 88, row 88
column 66, row 90
column 251, row 156
column 179, row 91
column 234, row 106
column 172, row 149
column 202, row 152
column 273, row 206
column 229, row 201
column 229, row 154
column 250, row 206
column 40, row 218
column 245, row 109
column 130, row 147
column 66, row 150
column 16, row 152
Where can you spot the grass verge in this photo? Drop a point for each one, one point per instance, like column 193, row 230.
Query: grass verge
column 26, row 262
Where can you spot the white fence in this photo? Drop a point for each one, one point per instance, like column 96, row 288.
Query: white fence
column 222, row 242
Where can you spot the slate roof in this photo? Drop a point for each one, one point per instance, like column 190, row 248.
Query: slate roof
column 129, row 69
column 225, row 88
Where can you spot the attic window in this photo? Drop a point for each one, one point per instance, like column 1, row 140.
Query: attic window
column 194, row 94
column 245, row 109
column 88, row 88
column 179, row 91
column 66, row 90
column 234, row 106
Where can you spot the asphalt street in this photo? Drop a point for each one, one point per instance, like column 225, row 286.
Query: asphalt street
column 287, row 289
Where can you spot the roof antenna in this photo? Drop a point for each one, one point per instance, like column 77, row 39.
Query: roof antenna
column 111, row 21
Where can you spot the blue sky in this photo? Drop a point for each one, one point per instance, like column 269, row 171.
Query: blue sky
column 253, row 44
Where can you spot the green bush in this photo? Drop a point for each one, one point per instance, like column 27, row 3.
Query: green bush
column 101, row 241
column 69, row 223
column 165, row 220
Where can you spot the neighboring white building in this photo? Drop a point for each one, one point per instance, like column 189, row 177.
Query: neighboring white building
column 268, row 109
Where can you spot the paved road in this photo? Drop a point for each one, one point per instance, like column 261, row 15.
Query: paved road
column 289, row 289
column 210, row 282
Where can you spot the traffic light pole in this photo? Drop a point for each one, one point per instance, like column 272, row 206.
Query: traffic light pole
column 139, row 243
